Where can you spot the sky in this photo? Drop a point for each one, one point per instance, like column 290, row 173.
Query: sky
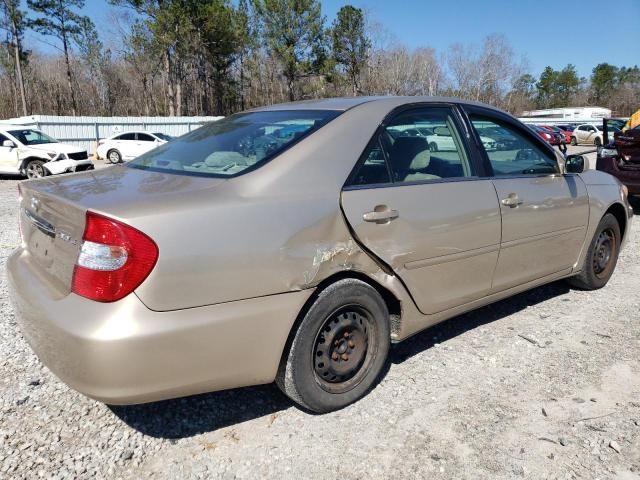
column 545, row 33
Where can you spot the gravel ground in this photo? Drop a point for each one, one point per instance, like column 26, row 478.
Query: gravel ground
column 543, row 385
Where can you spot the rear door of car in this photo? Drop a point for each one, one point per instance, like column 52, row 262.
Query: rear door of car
column 544, row 213
column 428, row 215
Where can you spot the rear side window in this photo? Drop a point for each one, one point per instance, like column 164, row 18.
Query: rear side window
column 418, row 145
column 510, row 151
column 143, row 137
column 235, row 144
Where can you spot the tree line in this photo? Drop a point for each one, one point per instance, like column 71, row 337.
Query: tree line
column 215, row 57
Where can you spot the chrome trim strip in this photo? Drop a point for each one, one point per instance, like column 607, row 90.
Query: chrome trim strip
column 41, row 224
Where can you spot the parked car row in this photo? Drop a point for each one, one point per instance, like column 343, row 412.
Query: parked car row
column 31, row 153
column 575, row 134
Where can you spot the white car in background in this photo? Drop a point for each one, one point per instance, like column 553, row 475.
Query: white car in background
column 29, row 152
column 591, row 134
column 129, row 145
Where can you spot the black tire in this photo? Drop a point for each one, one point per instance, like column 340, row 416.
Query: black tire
column 433, row 147
column 597, row 142
column 113, row 156
column 602, row 256
column 35, row 169
column 339, row 349
column 574, row 142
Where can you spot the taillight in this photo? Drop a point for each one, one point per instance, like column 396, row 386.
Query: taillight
column 114, row 259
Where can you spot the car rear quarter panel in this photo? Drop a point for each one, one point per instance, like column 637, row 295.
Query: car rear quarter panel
column 276, row 229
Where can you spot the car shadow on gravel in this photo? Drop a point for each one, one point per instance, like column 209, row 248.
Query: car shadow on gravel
column 189, row 416
column 186, row 417
column 468, row 321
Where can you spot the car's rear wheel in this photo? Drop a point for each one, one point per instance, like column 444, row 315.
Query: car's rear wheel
column 597, row 142
column 35, row 169
column 574, row 142
column 433, row 146
column 339, row 349
column 114, row 156
column 602, row 256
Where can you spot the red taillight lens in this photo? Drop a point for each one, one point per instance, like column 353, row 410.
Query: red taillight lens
column 114, row 259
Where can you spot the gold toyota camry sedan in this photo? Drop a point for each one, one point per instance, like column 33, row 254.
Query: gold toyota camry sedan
column 294, row 243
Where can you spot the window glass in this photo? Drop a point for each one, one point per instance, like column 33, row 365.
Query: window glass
column 32, row 137
column 2, row 139
column 127, row 136
column 163, row 136
column 234, row 144
column 511, row 151
column 143, row 137
column 424, row 144
column 374, row 169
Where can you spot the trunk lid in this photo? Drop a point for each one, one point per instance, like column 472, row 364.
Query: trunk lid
column 53, row 212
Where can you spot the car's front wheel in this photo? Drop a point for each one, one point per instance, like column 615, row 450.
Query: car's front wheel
column 597, row 142
column 35, row 169
column 602, row 256
column 574, row 142
column 339, row 349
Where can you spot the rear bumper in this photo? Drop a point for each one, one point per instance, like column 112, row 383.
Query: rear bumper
column 124, row 353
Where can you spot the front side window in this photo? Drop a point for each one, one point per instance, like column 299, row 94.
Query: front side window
column 418, row 145
column 230, row 146
column 512, row 152
column 28, row 136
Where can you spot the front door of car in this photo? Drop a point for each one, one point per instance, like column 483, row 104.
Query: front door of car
column 426, row 214
column 544, row 213
column 8, row 156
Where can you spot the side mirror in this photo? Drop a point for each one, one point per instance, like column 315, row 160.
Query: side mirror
column 574, row 164
column 8, row 144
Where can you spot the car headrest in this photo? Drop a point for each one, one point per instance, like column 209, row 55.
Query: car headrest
column 404, row 152
column 421, row 160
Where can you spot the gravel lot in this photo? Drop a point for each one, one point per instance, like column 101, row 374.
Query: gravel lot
column 543, row 385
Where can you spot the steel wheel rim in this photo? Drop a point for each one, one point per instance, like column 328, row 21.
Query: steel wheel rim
column 603, row 252
column 35, row 170
column 114, row 157
column 342, row 349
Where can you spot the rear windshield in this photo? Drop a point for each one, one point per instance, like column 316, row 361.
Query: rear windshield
column 235, row 144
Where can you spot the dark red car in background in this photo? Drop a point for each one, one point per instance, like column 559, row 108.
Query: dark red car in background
column 566, row 136
column 622, row 159
column 548, row 136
